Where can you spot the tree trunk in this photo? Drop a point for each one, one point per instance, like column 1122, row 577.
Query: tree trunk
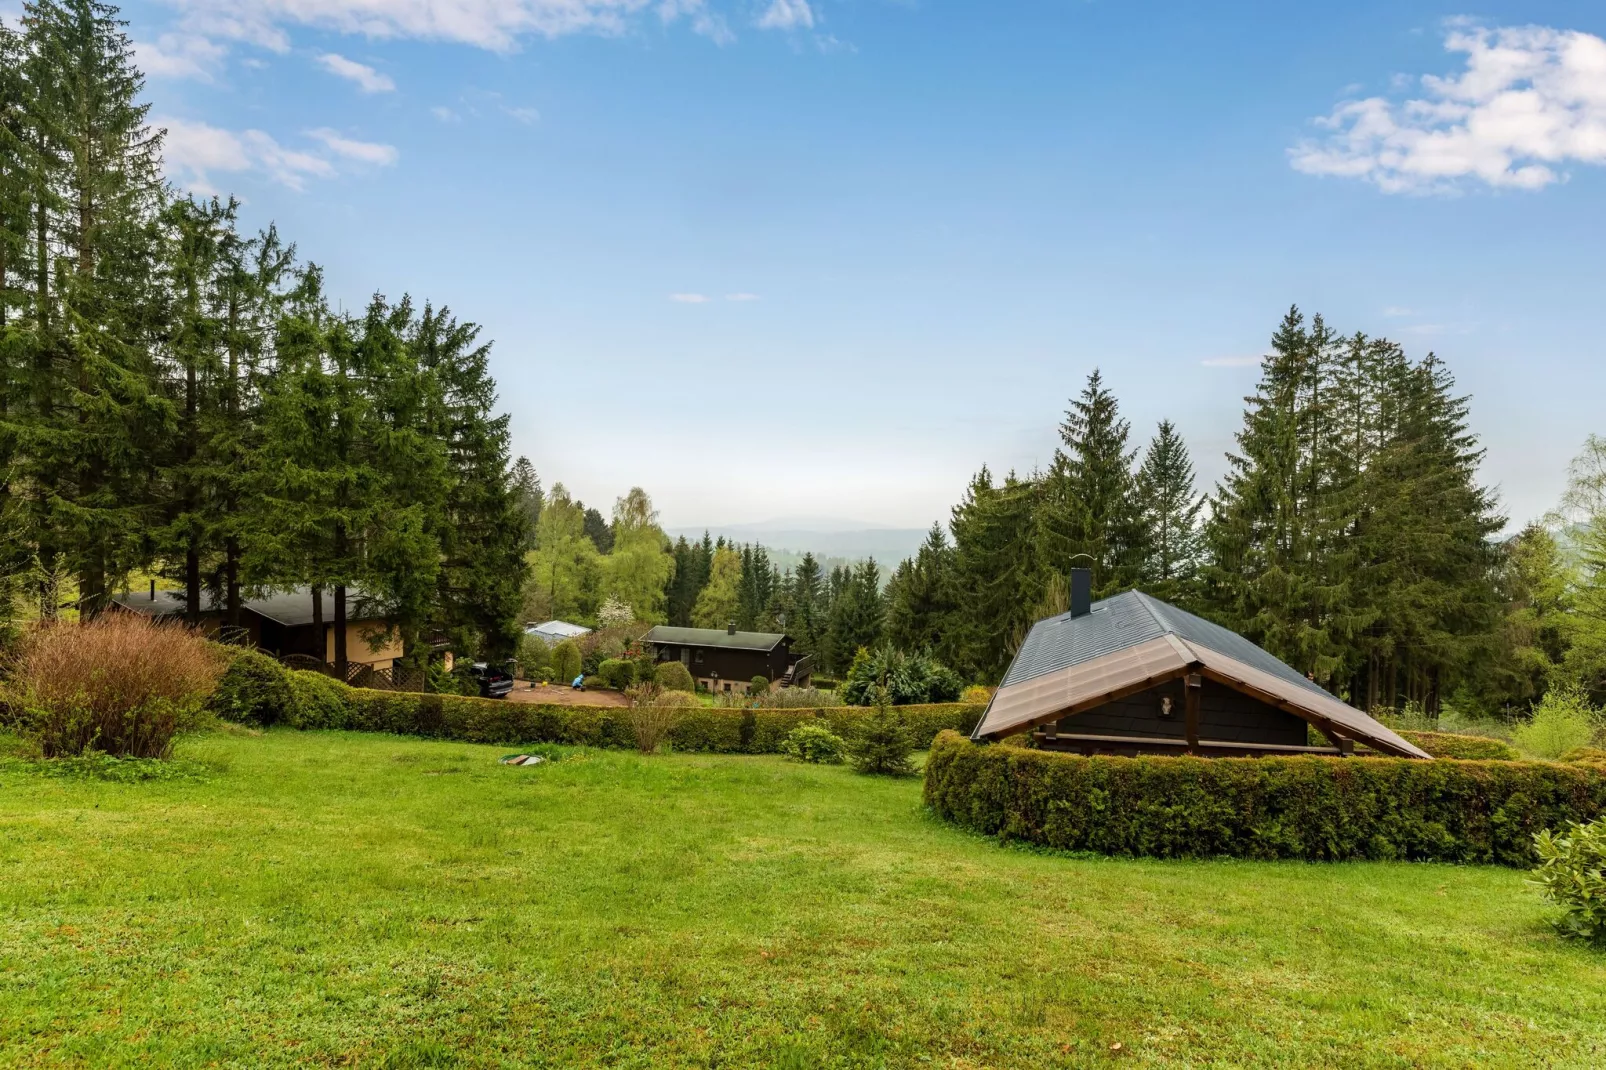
column 317, row 624
column 340, row 630
column 231, row 579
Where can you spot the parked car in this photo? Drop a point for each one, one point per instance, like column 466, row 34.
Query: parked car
column 494, row 683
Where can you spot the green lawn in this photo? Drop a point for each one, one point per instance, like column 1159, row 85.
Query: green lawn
column 369, row 900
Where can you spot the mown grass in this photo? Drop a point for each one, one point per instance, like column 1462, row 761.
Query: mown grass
column 375, row 901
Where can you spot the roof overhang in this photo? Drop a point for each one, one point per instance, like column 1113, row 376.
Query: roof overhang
column 1079, row 688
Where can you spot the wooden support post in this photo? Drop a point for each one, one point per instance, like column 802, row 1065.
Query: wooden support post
column 1190, row 709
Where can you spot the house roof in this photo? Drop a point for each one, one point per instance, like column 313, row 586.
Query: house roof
column 713, row 637
column 1131, row 641
column 557, row 629
column 290, row 608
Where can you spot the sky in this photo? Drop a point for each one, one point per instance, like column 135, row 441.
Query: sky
column 825, row 258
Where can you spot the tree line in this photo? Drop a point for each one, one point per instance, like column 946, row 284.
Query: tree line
column 179, row 397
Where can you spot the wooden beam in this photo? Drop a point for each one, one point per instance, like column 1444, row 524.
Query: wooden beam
column 1193, row 683
column 1094, row 703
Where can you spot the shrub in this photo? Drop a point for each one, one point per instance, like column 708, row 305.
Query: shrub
column 617, row 673
column 122, row 684
column 759, row 686
column 254, row 689
column 1454, row 745
column 534, row 656
column 909, row 679
column 797, row 698
column 1572, row 874
column 977, row 694
column 678, row 698
column 673, row 676
column 566, row 661
column 881, row 746
column 1561, row 721
column 815, row 743
column 1307, row 807
column 319, row 701
column 1585, row 754
column 651, row 716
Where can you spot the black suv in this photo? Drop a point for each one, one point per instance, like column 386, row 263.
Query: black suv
column 494, row 683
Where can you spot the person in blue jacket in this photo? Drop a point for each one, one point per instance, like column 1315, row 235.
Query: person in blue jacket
column 579, row 683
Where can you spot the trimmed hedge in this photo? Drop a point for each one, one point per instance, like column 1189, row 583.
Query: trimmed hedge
column 1307, row 807
column 1467, row 748
column 311, row 700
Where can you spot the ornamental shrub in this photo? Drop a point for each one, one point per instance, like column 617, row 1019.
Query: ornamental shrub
column 617, row 673
column 318, row 701
column 977, row 694
column 1315, row 808
column 1561, row 721
column 673, row 676
column 909, row 679
column 651, row 716
column 816, row 744
column 123, row 685
column 566, row 661
column 255, row 690
column 1572, row 874
column 759, row 686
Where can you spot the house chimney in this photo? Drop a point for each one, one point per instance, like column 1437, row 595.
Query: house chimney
column 1081, row 592
column 731, row 628
column 153, row 590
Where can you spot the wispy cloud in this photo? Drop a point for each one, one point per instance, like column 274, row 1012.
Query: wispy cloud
column 523, row 115
column 742, row 297
column 1395, row 311
column 445, row 114
column 366, row 78
column 690, row 299
column 1231, row 362
column 787, row 15
column 179, row 55
column 368, row 152
column 193, row 152
column 1530, row 100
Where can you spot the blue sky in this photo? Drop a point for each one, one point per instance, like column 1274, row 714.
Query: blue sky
column 805, row 257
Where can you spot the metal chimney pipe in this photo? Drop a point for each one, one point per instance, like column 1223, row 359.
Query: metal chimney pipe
column 1081, row 592
column 153, row 590
column 731, row 628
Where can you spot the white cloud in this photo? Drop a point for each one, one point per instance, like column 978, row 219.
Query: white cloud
column 179, row 55
column 367, row 79
column 1530, row 100
column 742, row 297
column 193, row 152
column 690, row 299
column 523, row 115
column 787, row 15
column 493, row 24
column 368, row 152
column 1231, row 362
column 445, row 114
column 1397, row 310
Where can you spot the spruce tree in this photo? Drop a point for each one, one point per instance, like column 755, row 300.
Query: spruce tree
column 527, row 489
column 998, row 582
column 920, row 597
column 1101, row 513
column 1169, row 511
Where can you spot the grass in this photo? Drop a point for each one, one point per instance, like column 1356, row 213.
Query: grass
column 376, row 901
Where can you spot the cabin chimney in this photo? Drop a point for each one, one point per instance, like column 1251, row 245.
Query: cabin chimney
column 730, row 629
column 1081, row 592
column 153, row 590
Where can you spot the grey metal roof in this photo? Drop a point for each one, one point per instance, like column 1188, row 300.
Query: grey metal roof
column 557, row 629
column 1126, row 620
column 713, row 637
column 292, row 607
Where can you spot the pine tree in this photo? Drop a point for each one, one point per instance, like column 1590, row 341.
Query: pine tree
column 1169, row 511
column 857, row 614
column 998, row 581
column 806, row 623
column 1098, row 509
column 920, row 597
column 527, row 489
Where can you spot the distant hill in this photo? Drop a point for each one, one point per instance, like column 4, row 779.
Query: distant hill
column 788, row 539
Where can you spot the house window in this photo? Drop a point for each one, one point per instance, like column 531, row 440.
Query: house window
column 699, row 655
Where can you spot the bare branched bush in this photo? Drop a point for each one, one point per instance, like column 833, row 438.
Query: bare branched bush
column 122, row 684
column 654, row 713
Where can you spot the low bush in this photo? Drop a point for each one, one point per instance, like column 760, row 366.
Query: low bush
column 977, row 694
column 909, row 679
column 1562, row 721
column 673, row 676
column 1572, row 874
column 254, row 689
column 617, row 673
column 317, row 701
column 121, row 685
column 652, row 715
column 1308, row 807
column 759, row 686
column 1454, row 745
column 1585, row 754
column 534, row 656
column 816, row 744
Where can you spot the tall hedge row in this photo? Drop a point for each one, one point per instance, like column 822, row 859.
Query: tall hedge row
column 1468, row 748
column 1308, row 807
column 263, row 692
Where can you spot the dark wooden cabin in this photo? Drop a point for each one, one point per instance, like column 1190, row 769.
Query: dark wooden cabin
column 727, row 659
column 1134, row 675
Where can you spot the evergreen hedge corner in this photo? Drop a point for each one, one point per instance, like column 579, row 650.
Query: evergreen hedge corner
column 1471, row 748
column 1309, row 807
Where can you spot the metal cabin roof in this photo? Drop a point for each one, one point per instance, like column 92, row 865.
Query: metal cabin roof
column 713, row 637
column 290, row 608
column 1126, row 620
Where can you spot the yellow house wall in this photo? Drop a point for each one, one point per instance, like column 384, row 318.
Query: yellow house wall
column 358, row 649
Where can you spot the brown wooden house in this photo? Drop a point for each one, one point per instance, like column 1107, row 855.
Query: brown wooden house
column 1133, row 675
column 727, row 660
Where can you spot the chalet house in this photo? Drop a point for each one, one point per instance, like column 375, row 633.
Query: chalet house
column 1133, row 675
column 282, row 624
column 728, row 660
